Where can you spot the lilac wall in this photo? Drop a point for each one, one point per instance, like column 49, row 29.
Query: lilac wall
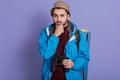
column 20, row 25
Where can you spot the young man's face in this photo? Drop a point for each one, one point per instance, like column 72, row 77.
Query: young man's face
column 60, row 16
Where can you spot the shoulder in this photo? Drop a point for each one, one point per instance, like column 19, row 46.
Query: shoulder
column 44, row 28
column 47, row 30
column 74, row 27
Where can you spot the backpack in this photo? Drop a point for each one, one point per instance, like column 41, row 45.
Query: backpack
column 78, row 36
column 87, row 33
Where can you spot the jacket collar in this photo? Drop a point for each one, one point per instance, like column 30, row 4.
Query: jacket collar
column 71, row 27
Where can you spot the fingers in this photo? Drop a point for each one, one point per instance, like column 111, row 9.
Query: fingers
column 67, row 63
column 59, row 29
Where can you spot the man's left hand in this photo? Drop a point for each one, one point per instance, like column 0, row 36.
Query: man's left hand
column 67, row 63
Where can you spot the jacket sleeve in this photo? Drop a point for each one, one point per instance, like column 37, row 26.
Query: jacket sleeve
column 82, row 55
column 47, row 44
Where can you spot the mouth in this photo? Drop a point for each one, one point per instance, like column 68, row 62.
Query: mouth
column 59, row 23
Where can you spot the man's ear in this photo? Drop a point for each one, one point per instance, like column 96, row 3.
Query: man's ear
column 68, row 16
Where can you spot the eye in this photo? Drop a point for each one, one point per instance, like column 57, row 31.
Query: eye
column 62, row 15
column 54, row 15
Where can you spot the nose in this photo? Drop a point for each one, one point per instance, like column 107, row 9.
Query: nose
column 58, row 18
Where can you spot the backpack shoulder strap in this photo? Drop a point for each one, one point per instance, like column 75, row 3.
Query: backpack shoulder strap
column 77, row 38
column 77, row 35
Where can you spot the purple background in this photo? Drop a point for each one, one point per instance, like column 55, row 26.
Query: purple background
column 21, row 22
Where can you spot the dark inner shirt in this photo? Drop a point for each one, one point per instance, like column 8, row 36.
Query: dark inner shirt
column 59, row 73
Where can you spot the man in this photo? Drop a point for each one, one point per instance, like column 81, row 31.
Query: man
column 62, row 58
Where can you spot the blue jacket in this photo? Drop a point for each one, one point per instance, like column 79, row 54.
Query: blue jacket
column 48, row 44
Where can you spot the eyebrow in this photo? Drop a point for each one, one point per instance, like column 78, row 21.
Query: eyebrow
column 59, row 14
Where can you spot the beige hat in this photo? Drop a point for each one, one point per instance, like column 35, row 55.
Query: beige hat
column 61, row 4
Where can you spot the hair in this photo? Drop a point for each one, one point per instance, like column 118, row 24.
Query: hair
column 58, row 8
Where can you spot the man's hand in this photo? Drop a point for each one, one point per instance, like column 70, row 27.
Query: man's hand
column 67, row 63
column 59, row 29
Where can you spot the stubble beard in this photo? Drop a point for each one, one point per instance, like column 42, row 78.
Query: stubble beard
column 60, row 22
